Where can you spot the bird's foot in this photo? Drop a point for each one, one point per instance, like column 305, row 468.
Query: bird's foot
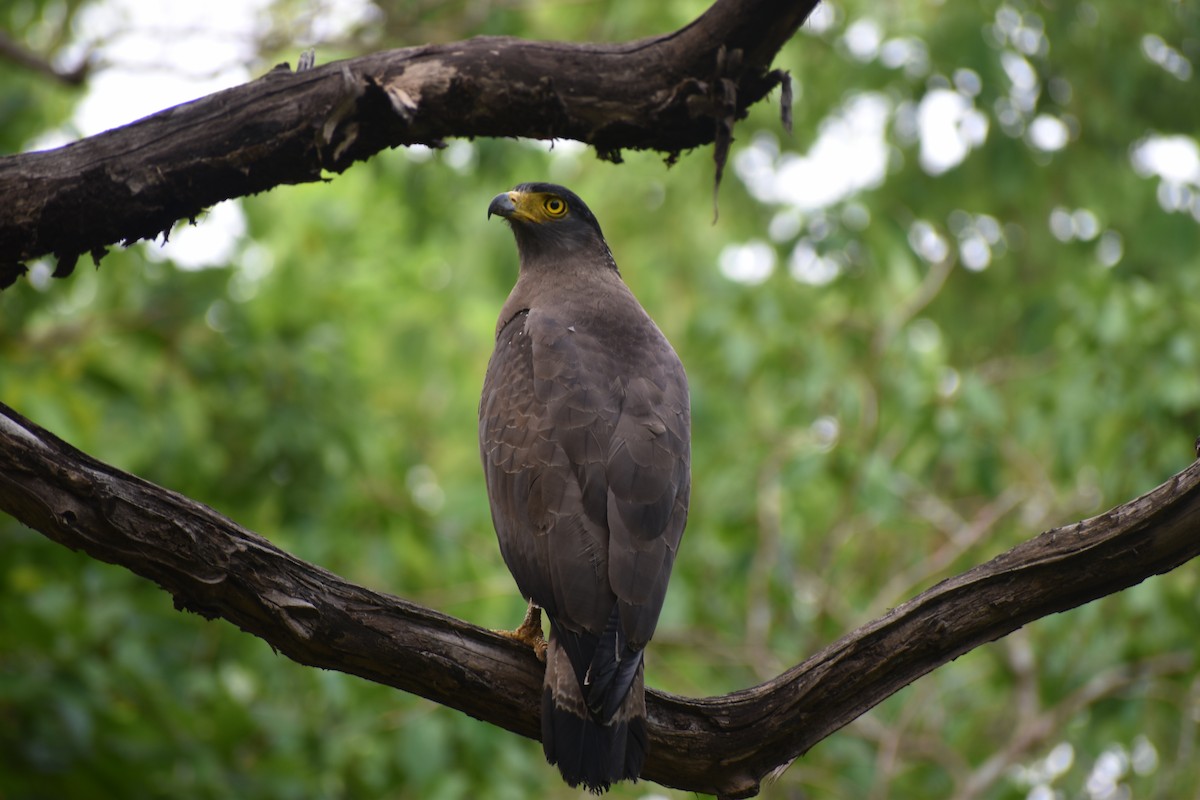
column 530, row 632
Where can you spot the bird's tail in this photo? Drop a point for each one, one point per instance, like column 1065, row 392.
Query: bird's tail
column 591, row 747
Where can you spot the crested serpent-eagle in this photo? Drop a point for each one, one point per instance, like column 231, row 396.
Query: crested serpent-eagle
column 584, row 431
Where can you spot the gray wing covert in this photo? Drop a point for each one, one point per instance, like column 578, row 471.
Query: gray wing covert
column 649, row 479
column 540, row 428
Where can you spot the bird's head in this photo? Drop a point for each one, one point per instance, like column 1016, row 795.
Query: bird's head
column 549, row 221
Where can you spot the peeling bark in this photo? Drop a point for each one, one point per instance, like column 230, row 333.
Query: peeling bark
column 667, row 93
column 725, row 745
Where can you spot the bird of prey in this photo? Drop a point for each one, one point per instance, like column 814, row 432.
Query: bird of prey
column 585, row 436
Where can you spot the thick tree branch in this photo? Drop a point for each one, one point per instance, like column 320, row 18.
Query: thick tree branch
column 719, row 745
column 667, row 93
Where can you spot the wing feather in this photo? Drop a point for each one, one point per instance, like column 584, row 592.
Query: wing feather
column 584, row 434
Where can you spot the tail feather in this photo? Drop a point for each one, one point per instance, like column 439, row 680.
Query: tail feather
column 610, row 670
column 589, row 749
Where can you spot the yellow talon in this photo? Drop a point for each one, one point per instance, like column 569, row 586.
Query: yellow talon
column 530, row 632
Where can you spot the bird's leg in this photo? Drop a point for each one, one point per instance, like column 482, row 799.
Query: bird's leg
column 530, row 631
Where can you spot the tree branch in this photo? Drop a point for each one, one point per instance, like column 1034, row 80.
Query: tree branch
column 668, row 93
column 719, row 745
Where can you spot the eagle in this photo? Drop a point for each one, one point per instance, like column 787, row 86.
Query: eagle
column 585, row 437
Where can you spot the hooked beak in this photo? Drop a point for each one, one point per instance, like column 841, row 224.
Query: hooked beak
column 502, row 205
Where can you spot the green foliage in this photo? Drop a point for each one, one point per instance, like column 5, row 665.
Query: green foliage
column 860, row 433
column 31, row 103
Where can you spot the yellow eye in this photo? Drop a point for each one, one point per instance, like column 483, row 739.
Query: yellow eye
column 554, row 206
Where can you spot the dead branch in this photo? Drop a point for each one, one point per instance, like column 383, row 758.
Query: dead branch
column 667, row 93
column 718, row 745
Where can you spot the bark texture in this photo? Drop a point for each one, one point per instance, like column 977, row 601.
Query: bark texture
column 726, row 746
column 667, row 93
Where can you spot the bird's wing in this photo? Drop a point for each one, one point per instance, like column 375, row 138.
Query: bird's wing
column 548, row 517
column 587, row 464
column 649, row 479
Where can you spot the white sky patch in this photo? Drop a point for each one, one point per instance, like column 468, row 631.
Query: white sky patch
column 905, row 52
column 863, row 38
column 806, row 265
column 950, row 127
column 459, row 155
column 1025, row 84
column 211, row 242
column 419, row 153
column 1175, row 161
column 1171, row 158
column 851, row 151
column 822, row 18
column 750, row 263
column 785, row 225
column 850, row 154
column 567, row 148
column 974, row 252
column 1048, row 133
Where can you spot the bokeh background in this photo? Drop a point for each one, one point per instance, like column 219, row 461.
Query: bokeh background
column 957, row 306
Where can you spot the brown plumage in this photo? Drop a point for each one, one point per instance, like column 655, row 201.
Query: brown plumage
column 584, row 431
